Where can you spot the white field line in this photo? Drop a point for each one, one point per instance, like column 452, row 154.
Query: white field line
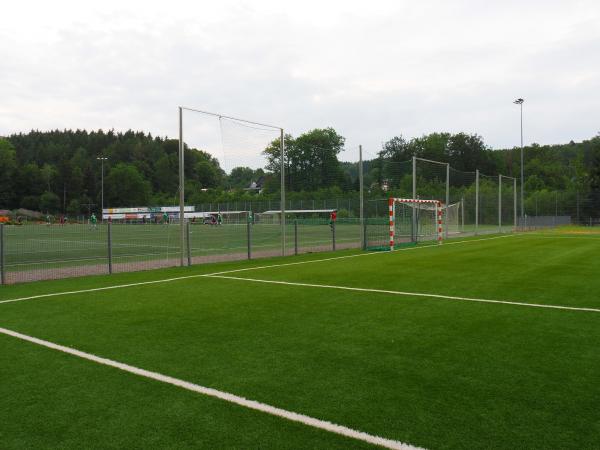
column 434, row 244
column 547, row 236
column 231, row 398
column 408, row 294
column 186, row 277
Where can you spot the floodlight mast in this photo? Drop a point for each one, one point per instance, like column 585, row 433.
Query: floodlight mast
column 181, row 173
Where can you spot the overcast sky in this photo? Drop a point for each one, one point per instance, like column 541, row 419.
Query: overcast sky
column 371, row 70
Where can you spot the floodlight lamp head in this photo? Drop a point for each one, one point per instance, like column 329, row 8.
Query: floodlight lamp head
column 519, row 101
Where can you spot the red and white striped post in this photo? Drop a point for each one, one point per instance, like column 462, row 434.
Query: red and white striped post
column 392, row 207
column 439, row 212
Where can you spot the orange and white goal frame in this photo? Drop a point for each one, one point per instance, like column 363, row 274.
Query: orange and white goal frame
column 438, row 214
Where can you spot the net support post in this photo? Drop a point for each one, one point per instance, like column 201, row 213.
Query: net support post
column 109, row 243
column 515, row 203
column 414, row 195
column 296, row 237
column 447, row 200
column 364, row 231
column 181, row 188
column 499, row 203
column 476, row 201
column 282, row 190
column 249, row 238
column 2, row 274
column 188, row 243
column 333, row 235
column 363, row 237
column 462, row 214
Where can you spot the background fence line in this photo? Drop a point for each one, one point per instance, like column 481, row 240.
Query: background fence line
column 476, row 204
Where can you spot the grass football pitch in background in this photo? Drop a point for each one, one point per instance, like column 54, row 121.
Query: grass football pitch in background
column 429, row 371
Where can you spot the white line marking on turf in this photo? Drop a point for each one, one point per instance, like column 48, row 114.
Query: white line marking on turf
column 231, row 398
column 408, row 294
column 353, row 256
column 186, row 277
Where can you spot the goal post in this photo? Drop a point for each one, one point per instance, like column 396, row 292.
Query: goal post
column 428, row 216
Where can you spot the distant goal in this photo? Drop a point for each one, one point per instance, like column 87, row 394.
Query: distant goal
column 415, row 218
column 408, row 221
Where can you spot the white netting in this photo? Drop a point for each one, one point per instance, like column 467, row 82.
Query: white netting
column 243, row 144
column 415, row 221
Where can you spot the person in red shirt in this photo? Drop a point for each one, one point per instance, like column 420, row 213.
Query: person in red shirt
column 332, row 218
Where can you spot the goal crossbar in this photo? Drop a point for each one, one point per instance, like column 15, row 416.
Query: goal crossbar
column 438, row 206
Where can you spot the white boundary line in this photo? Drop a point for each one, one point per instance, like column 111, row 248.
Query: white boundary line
column 231, row 398
column 550, row 236
column 409, row 294
column 185, row 277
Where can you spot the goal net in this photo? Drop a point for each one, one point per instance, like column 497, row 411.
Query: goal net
column 412, row 220
column 409, row 221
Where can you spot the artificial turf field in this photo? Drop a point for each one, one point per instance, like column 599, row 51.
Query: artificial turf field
column 341, row 337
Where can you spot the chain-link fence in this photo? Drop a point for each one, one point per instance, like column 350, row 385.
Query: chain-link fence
column 474, row 203
column 39, row 252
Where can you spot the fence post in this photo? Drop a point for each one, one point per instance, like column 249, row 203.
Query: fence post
column 249, row 238
column 295, row 236
column 362, row 198
column 462, row 214
column 476, row 201
column 364, row 231
column 333, row 234
column 447, row 200
column 499, row 203
column 187, row 242
column 515, row 202
column 414, row 196
column 2, row 276
column 109, row 238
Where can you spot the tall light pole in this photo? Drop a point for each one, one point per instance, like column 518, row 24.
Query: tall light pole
column 102, row 159
column 520, row 102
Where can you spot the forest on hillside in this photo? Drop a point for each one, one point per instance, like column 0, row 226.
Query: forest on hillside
column 60, row 171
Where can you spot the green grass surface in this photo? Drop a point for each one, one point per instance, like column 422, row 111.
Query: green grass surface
column 431, row 372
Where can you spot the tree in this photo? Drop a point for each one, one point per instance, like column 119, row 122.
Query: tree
column 241, row 177
column 125, row 186
column 311, row 161
column 208, row 175
column 49, row 202
column 74, row 207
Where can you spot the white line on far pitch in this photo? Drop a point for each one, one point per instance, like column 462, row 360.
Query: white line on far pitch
column 186, row 277
column 408, row 294
column 231, row 398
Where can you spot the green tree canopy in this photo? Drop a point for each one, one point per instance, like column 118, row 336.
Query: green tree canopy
column 125, row 186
